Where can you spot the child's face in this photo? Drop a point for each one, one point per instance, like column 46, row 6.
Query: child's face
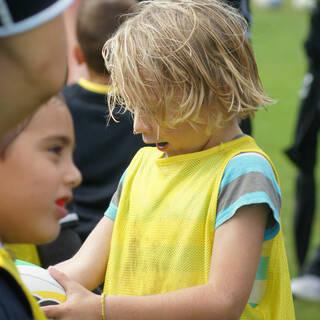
column 37, row 176
column 180, row 140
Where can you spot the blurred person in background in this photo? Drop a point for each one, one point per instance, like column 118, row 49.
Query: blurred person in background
column 244, row 8
column 303, row 153
column 33, row 60
column 103, row 150
column 75, row 70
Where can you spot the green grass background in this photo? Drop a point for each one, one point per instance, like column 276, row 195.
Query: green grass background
column 277, row 38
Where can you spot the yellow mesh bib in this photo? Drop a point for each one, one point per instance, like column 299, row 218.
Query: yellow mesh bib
column 25, row 251
column 7, row 264
column 164, row 229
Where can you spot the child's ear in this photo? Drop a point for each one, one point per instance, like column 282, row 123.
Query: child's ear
column 78, row 54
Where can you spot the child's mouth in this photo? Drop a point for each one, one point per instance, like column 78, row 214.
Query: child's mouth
column 61, row 202
column 162, row 146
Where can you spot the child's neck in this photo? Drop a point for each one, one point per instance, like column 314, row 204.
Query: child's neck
column 223, row 135
column 97, row 78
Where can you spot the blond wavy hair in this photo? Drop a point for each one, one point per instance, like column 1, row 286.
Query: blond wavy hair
column 172, row 59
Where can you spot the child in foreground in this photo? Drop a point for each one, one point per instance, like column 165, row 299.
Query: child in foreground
column 193, row 231
column 37, row 177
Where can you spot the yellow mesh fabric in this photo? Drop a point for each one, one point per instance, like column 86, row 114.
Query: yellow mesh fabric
column 163, row 234
column 277, row 303
column 7, row 264
column 25, row 251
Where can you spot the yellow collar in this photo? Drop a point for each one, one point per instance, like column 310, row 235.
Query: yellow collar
column 93, row 86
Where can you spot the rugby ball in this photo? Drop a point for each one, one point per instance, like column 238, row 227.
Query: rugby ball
column 42, row 286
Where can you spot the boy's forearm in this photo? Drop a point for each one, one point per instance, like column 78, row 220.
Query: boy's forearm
column 200, row 302
column 73, row 270
column 88, row 266
column 78, row 266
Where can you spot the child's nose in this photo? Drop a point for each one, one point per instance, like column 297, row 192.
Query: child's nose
column 140, row 125
column 73, row 177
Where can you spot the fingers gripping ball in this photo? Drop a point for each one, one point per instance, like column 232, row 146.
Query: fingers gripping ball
column 43, row 287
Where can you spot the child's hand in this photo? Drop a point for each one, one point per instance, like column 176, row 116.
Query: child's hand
column 80, row 303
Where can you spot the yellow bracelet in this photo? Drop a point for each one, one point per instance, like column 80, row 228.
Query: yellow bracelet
column 102, row 306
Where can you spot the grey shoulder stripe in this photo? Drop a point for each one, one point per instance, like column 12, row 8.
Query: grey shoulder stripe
column 116, row 196
column 247, row 183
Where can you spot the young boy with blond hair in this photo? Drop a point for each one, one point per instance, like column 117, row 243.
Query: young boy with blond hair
column 193, row 231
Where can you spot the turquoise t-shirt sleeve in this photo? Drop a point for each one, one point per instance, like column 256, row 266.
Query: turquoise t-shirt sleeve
column 112, row 210
column 249, row 179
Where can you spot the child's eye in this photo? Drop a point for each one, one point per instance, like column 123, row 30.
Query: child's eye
column 56, row 149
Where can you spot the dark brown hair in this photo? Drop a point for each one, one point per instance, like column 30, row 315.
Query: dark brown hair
column 7, row 139
column 96, row 22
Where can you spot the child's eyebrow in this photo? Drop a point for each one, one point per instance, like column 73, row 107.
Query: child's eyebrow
column 62, row 139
